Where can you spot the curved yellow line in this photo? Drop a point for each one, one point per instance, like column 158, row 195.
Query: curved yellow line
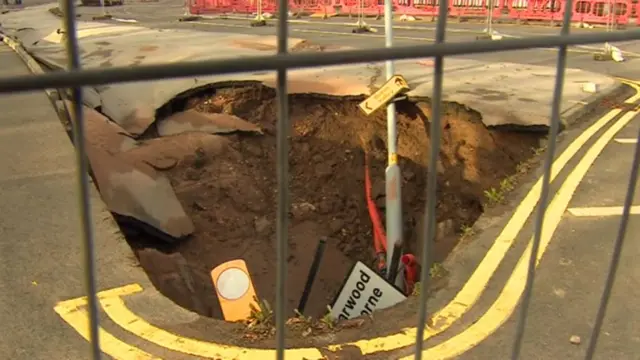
column 506, row 303
column 442, row 319
column 116, row 309
column 72, row 312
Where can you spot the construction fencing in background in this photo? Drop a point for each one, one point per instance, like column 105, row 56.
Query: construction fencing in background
column 282, row 62
column 597, row 12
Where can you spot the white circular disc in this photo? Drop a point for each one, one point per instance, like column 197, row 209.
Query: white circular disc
column 232, row 284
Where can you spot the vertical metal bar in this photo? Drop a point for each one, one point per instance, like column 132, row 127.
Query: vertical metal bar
column 617, row 251
column 432, row 179
column 282, row 231
column 490, row 18
column 544, row 193
column 73, row 58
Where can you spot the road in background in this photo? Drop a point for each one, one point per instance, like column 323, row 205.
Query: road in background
column 338, row 32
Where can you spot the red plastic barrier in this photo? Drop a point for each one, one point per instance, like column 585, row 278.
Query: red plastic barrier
column 418, row 7
column 318, row 7
column 231, row 6
column 638, row 13
column 352, row 7
column 602, row 11
column 585, row 11
column 617, row 12
column 473, row 8
column 218, row 6
column 536, row 10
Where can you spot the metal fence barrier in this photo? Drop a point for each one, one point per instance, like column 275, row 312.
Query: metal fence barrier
column 75, row 78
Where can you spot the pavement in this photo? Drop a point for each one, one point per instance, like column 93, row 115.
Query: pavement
column 41, row 261
column 572, row 273
column 47, row 312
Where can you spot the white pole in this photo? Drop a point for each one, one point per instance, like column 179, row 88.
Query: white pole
column 490, row 18
column 393, row 177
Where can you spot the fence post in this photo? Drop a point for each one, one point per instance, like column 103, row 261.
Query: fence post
column 259, row 20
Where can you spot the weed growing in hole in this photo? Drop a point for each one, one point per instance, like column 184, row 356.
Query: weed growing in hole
column 494, row 196
column 416, row 289
column 522, row 167
column 301, row 317
column 466, row 230
column 261, row 315
column 507, row 184
column 539, row 151
column 436, row 270
column 328, row 320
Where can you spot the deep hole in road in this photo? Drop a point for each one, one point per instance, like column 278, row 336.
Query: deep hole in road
column 231, row 197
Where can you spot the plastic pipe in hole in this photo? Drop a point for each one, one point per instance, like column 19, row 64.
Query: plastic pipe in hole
column 313, row 271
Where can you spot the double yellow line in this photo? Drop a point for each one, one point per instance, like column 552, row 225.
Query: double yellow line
column 508, row 299
column 73, row 312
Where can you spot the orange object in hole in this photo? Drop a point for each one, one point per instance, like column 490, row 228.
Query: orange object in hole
column 234, row 289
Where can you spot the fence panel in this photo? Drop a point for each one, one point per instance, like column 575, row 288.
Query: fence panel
column 585, row 10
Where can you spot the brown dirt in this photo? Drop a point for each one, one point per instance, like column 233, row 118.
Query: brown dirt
column 231, row 196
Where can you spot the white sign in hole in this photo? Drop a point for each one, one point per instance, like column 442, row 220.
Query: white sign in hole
column 363, row 292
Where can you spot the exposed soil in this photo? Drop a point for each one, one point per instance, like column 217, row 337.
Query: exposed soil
column 232, row 197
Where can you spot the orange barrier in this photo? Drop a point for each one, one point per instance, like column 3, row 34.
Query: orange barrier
column 198, row 7
column 616, row 12
column 536, row 10
column 418, row 7
column 584, row 11
column 473, row 8
column 602, row 12
column 314, row 7
column 369, row 7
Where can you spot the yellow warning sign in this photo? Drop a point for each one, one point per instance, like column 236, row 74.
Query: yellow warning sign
column 394, row 86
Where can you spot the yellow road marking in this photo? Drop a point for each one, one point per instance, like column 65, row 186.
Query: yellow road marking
column 506, row 303
column 625, row 141
column 627, row 80
column 602, row 211
column 116, row 309
column 72, row 312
